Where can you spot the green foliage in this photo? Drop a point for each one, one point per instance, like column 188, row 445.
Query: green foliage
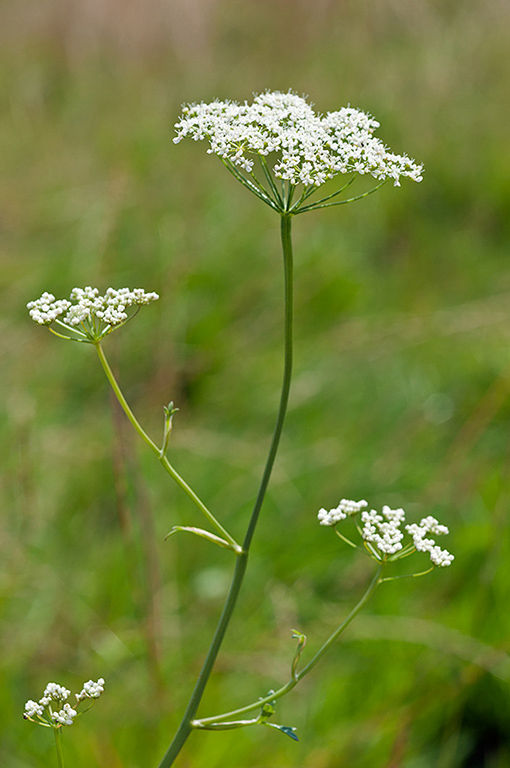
column 400, row 393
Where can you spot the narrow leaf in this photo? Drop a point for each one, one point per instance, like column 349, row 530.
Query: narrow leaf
column 288, row 730
column 203, row 534
column 301, row 638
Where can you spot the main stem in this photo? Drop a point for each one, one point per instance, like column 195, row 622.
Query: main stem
column 58, row 745
column 186, row 726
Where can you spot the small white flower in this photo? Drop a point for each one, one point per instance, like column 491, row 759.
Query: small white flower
column 33, row 709
column 438, row 556
column 54, row 692
column 46, row 309
column 91, row 690
column 384, row 530
column 65, row 716
column 345, row 508
column 441, row 557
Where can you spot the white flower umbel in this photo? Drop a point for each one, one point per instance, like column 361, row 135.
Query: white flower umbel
column 88, row 315
column 53, row 710
column 382, row 532
column 438, row 556
column 308, row 148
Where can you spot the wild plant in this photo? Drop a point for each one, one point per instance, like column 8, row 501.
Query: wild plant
column 282, row 152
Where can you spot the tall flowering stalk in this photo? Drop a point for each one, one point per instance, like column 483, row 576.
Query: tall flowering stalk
column 282, row 152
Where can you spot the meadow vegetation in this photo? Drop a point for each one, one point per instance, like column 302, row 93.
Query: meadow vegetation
column 400, row 396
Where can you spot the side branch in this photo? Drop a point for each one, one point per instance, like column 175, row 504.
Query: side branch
column 207, row 722
column 162, row 459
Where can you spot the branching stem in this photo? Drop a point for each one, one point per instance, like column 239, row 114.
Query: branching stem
column 162, row 458
column 208, row 721
column 187, row 722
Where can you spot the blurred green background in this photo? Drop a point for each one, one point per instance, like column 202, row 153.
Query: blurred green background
column 400, row 396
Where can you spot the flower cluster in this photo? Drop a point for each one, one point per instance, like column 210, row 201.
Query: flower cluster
column 54, row 710
column 345, row 508
column 310, row 148
column 383, row 531
column 87, row 313
column 91, row 690
column 383, row 535
column 47, row 309
column 419, row 533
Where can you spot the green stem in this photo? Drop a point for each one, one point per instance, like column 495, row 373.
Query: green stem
column 263, row 195
column 290, row 195
column 357, row 608
column 328, row 197
column 58, row 745
column 347, row 541
column 409, row 575
column 287, row 374
column 269, row 177
column 154, row 448
column 71, row 328
column 207, row 721
column 316, row 206
column 307, row 192
column 187, row 725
